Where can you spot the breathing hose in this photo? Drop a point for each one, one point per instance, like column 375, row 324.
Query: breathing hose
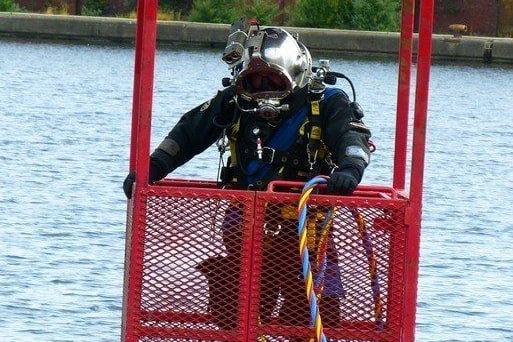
column 314, row 285
column 315, row 317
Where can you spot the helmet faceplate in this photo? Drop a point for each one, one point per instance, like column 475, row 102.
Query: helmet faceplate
column 274, row 64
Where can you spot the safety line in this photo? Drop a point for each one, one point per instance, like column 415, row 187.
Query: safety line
column 314, row 286
column 315, row 317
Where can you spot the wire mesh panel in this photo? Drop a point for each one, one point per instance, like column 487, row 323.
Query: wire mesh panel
column 189, row 283
column 220, row 265
column 356, row 248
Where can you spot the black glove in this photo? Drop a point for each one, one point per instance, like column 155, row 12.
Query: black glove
column 344, row 181
column 128, row 183
column 154, row 175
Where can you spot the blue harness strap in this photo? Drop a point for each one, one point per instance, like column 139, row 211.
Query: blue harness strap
column 283, row 138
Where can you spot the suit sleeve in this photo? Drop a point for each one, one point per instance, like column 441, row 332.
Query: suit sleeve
column 194, row 133
column 345, row 134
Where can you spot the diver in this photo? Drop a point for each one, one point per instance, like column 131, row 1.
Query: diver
column 280, row 121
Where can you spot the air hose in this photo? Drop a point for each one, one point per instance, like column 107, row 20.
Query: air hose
column 315, row 317
column 314, row 285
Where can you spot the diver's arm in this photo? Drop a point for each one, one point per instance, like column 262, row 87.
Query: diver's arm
column 193, row 134
column 347, row 138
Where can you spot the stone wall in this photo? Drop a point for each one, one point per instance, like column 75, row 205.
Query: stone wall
column 172, row 33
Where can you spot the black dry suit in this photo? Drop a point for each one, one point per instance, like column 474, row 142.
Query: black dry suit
column 263, row 150
column 284, row 143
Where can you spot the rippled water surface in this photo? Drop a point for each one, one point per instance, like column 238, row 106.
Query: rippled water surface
column 65, row 115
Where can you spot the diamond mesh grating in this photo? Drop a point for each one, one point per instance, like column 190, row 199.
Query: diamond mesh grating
column 225, row 266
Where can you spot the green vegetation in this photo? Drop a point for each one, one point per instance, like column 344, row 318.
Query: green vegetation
column 216, row 11
column 9, row 6
column 94, row 7
column 265, row 10
column 377, row 15
column 322, row 14
column 162, row 14
column 213, row 11
column 372, row 15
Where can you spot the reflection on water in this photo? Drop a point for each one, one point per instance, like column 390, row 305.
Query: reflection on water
column 65, row 115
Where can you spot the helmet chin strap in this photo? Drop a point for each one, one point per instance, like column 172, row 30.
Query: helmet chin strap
column 268, row 109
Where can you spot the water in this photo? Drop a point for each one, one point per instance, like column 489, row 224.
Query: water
column 65, row 115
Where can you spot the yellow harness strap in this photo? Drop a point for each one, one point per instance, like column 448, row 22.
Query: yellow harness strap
column 315, row 131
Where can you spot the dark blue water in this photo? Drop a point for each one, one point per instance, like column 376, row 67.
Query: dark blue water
column 65, row 115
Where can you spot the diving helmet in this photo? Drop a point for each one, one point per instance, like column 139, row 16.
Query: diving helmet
column 273, row 65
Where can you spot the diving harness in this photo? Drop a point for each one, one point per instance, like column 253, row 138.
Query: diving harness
column 261, row 130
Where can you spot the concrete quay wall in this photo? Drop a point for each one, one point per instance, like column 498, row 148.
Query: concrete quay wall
column 58, row 27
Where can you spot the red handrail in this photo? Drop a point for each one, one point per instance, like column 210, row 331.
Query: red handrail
column 417, row 166
column 145, row 45
column 403, row 94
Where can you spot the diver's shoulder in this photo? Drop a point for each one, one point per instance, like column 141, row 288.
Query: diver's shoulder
column 334, row 94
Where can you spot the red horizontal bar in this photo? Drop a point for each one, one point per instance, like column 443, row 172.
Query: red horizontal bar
column 189, row 183
column 362, row 190
column 188, row 333
column 347, row 330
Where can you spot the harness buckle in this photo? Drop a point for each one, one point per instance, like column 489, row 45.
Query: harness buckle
column 222, row 143
column 331, row 164
column 271, row 157
column 311, row 158
column 259, row 148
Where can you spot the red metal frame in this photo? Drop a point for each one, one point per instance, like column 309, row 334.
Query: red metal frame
column 140, row 148
column 417, row 168
column 403, row 95
column 145, row 42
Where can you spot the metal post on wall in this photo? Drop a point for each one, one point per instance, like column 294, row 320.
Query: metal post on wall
column 145, row 45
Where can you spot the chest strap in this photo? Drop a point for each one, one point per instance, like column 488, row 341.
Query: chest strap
column 315, row 134
column 289, row 159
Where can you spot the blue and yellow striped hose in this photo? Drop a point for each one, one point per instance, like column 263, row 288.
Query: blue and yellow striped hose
column 315, row 317
column 314, row 286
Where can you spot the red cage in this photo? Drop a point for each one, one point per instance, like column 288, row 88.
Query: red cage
column 179, row 236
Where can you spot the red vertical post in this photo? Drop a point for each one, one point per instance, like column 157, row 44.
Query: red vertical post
column 417, row 168
column 403, row 94
column 145, row 44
